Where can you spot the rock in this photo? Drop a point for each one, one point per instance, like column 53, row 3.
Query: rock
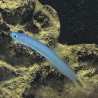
column 4, row 28
column 5, row 73
column 15, row 12
column 24, row 72
column 32, row 18
column 44, row 25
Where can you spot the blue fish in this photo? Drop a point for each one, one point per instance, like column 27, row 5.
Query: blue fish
column 48, row 53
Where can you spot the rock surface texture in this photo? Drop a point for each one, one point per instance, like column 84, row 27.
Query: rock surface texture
column 26, row 74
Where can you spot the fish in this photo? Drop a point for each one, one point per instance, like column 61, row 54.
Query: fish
column 62, row 67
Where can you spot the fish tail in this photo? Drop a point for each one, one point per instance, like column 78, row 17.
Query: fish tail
column 78, row 82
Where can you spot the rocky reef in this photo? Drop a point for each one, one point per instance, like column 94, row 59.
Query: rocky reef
column 26, row 74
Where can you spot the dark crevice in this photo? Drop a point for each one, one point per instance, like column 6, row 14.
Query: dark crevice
column 79, row 20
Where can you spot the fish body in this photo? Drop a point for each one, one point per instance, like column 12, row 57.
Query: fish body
column 49, row 54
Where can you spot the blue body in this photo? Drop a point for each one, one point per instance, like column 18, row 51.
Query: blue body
column 48, row 53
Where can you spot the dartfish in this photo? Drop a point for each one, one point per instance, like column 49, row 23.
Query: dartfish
column 49, row 54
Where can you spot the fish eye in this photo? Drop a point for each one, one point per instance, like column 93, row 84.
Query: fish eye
column 15, row 36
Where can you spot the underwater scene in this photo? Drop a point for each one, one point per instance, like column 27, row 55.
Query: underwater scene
column 48, row 49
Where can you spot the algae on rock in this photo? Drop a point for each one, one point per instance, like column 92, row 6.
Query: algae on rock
column 24, row 72
column 19, row 64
